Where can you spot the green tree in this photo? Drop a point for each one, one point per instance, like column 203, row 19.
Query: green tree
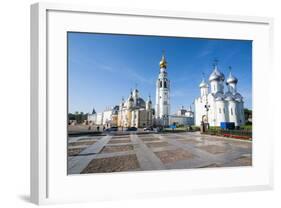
column 248, row 115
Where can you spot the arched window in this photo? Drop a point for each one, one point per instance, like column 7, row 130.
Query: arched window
column 165, row 84
column 160, row 84
column 231, row 111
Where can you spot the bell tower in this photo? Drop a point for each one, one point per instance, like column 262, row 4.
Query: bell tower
column 162, row 104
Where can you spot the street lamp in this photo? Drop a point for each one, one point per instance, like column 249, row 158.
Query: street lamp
column 205, row 126
column 207, row 107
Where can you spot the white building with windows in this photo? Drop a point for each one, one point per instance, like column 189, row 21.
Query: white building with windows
column 182, row 117
column 214, row 105
column 162, row 104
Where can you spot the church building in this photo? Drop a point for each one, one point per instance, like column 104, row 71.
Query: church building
column 135, row 112
column 214, row 105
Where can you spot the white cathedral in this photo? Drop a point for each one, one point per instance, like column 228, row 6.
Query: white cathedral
column 214, row 106
column 135, row 112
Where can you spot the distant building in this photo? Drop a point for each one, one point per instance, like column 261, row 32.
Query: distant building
column 218, row 106
column 110, row 117
column 181, row 120
column 182, row 111
column 92, row 118
column 107, row 118
column 183, row 117
column 99, row 119
column 135, row 112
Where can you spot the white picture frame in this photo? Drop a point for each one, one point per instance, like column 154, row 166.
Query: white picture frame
column 49, row 181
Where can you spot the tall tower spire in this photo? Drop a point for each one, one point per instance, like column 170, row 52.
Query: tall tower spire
column 163, row 62
column 162, row 104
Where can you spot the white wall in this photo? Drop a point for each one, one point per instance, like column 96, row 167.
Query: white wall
column 106, row 116
column 14, row 85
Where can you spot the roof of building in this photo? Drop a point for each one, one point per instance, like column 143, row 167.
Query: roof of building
column 216, row 74
column 228, row 96
column 149, row 100
column 231, row 79
column 238, row 97
column 140, row 102
column 203, row 84
column 94, row 111
column 163, row 62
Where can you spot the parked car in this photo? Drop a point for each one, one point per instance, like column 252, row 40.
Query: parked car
column 148, row 128
column 112, row 129
column 132, row 129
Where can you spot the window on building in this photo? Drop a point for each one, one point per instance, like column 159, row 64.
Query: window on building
column 220, row 110
column 160, row 84
column 224, row 110
column 165, row 84
column 231, row 111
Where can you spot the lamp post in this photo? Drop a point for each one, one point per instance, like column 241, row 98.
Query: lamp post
column 205, row 126
column 207, row 107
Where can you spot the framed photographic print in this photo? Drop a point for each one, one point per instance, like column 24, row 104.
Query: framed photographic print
column 134, row 103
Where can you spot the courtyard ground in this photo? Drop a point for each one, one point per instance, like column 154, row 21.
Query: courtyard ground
column 136, row 152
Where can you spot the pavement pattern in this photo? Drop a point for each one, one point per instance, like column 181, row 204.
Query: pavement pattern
column 143, row 152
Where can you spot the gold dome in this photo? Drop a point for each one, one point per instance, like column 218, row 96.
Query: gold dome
column 163, row 62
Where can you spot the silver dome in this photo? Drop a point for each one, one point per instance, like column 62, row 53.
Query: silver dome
column 216, row 75
column 203, row 84
column 231, row 79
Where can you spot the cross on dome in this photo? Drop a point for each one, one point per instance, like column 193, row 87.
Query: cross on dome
column 216, row 74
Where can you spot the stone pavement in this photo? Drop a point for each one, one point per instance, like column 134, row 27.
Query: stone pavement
column 135, row 152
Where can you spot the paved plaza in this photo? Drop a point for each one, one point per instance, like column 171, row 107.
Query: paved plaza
column 136, row 152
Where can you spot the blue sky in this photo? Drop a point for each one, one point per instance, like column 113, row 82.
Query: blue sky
column 102, row 68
